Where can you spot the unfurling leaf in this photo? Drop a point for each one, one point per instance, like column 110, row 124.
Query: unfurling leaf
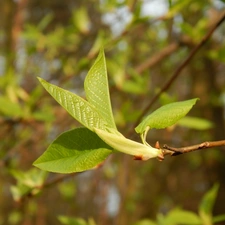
column 127, row 146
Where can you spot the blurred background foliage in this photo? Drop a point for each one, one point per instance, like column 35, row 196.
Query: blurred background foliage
column 145, row 41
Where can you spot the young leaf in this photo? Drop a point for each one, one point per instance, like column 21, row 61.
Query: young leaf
column 219, row 218
column 97, row 89
column 76, row 106
column 207, row 203
column 195, row 123
column 166, row 115
column 145, row 222
column 74, row 151
column 127, row 146
column 179, row 216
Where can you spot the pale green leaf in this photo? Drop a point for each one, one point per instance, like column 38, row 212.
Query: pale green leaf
column 81, row 20
column 166, row 115
column 18, row 191
column 99, row 42
column 179, row 216
column 177, row 7
column 207, row 203
column 118, row 142
column 45, row 21
column 9, row 108
column 195, row 123
column 27, row 182
column 76, row 106
column 145, row 222
column 31, row 178
column 97, row 89
column 71, row 221
column 74, row 151
column 219, row 218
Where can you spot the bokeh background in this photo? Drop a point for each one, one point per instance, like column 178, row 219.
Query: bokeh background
column 145, row 42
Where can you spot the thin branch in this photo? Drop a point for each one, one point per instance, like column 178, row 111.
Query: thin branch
column 181, row 67
column 168, row 150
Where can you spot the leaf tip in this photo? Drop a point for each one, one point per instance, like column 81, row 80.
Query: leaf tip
column 40, row 80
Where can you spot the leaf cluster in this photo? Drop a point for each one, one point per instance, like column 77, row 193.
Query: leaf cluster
column 85, row 148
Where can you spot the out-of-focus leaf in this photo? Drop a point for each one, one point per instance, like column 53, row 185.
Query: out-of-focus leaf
column 136, row 84
column 45, row 22
column 45, row 114
column 218, row 54
column 75, row 221
column 177, row 7
column 81, row 20
column 71, row 221
column 145, row 222
column 195, row 123
column 31, row 178
column 9, row 108
column 131, row 86
column 217, row 219
column 19, row 191
column 99, row 42
column 179, row 216
column 74, row 151
column 28, row 181
column 207, row 203
column 67, row 189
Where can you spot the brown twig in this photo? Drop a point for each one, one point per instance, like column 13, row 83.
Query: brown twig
column 180, row 68
column 168, row 150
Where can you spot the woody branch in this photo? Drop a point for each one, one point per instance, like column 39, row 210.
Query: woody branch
column 168, row 150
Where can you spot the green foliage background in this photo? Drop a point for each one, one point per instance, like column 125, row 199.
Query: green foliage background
column 59, row 41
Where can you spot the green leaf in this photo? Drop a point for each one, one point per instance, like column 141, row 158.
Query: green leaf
column 71, row 221
column 208, row 200
column 27, row 182
column 32, row 178
column 76, row 106
column 219, row 218
column 166, row 115
column 145, row 222
column 207, row 204
column 97, row 89
column 9, row 108
column 81, row 20
column 75, row 221
column 177, row 7
column 195, row 123
column 18, row 191
column 45, row 21
column 179, row 216
column 74, row 151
